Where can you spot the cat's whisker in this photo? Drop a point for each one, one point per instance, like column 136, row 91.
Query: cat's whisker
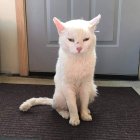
column 97, row 31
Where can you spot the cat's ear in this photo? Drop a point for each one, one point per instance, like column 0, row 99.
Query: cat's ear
column 94, row 22
column 59, row 25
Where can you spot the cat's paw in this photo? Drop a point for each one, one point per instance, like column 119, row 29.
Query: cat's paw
column 86, row 117
column 64, row 114
column 88, row 111
column 74, row 121
column 24, row 107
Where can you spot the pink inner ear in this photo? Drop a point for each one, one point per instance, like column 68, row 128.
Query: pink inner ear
column 96, row 20
column 59, row 24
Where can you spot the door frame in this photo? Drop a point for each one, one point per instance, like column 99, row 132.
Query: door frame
column 22, row 37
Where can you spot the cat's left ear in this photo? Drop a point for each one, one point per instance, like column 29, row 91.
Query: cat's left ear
column 94, row 22
column 59, row 25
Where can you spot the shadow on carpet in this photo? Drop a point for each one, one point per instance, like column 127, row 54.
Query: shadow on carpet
column 116, row 115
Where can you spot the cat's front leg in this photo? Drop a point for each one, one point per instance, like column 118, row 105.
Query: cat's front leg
column 87, row 91
column 72, row 106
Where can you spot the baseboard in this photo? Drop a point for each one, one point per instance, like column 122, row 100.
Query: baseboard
column 50, row 75
column 116, row 77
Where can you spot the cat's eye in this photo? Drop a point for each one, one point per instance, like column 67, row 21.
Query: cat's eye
column 71, row 39
column 86, row 39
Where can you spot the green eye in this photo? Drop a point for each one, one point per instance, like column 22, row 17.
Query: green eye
column 71, row 39
column 86, row 39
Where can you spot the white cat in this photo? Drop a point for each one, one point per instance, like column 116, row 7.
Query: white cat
column 74, row 84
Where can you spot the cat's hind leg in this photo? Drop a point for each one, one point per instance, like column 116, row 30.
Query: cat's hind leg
column 60, row 105
column 65, row 114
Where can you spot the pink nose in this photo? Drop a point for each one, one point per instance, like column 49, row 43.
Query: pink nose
column 79, row 49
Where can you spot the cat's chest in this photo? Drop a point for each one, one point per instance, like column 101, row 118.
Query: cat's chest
column 79, row 68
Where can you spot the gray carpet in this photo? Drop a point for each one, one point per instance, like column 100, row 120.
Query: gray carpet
column 17, row 138
column 116, row 115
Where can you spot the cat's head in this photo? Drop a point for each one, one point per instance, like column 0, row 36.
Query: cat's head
column 77, row 36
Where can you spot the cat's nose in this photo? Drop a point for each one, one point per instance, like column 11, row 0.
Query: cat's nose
column 79, row 49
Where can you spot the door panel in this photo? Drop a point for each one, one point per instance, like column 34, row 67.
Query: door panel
column 108, row 9
column 118, row 40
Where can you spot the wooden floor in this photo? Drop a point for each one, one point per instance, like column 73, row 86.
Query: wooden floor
column 43, row 81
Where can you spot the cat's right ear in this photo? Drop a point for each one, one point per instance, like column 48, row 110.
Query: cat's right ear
column 59, row 25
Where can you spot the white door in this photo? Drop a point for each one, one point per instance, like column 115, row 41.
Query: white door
column 118, row 41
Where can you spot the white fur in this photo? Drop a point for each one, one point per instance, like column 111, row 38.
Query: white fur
column 74, row 84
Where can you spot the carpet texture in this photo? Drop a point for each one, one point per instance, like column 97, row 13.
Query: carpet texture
column 17, row 138
column 116, row 115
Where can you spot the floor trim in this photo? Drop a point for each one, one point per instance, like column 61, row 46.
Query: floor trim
column 50, row 75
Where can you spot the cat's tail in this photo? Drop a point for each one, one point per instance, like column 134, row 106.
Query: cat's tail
column 25, row 106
